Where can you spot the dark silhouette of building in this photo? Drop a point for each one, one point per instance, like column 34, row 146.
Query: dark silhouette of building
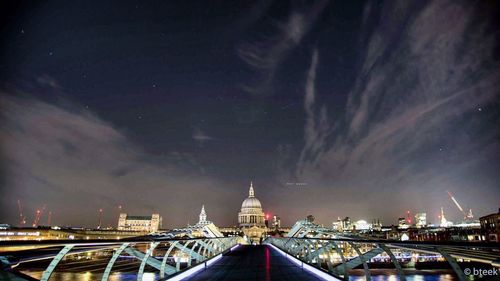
column 490, row 226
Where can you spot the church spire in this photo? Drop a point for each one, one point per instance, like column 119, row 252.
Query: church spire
column 251, row 193
column 203, row 215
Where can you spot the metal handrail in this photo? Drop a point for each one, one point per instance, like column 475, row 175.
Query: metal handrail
column 300, row 247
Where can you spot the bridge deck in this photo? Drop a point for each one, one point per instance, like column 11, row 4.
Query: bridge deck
column 246, row 263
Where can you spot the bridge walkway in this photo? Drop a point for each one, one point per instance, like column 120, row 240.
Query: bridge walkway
column 248, row 263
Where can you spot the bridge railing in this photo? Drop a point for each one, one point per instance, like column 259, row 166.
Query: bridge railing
column 102, row 259
column 338, row 256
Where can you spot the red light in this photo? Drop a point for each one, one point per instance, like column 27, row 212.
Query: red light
column 267, row 216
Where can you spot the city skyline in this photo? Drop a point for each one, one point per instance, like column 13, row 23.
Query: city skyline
column 331, row 109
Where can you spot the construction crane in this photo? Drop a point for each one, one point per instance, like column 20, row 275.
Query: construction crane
column 467, row 215
column 49, row 218
column 408, row 217
column 22, row 218
column 100, row 219
column 38, row 215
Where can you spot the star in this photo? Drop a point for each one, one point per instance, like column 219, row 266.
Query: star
column 479, row 109
column 287, row 105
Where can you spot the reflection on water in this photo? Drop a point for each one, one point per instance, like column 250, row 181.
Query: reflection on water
column 390, row 276
column 124, row 276
column 431, row 277
column 89, row 276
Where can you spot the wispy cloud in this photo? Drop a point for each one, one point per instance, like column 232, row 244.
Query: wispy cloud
column 48, row 81
column 412, row 122
column 266, row 53
column 76, row 163
column 201, row 136
column 317, row 124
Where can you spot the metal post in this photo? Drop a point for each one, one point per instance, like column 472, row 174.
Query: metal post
column 145, row 259
column 112, row 261
column 344, row 264
column 164, row 261
column 183, row 250
column 46, row 274
column 453, row 263
column 401, row 274
column 362, row 258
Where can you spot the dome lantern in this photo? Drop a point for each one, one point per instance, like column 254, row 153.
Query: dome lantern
column 251, row 193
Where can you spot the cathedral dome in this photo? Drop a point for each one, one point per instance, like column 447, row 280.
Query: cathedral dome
column 251, row 218
column 251, row 202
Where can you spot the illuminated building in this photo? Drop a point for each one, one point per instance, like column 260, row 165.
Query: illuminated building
column 58, row 233
column 204, row 227
column 203, row 217
column 276, row 222
column 420, row 219
column 337, row 225
column 490, row 226
column 251, row 218
column 139, row 223
column 362, row 225
column 377, row 225
column 444, row 222
column 346, row 224
column 402, row 223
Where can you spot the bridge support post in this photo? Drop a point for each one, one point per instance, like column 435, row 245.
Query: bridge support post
column 396, row 263
column 328, row 249
column 112, row 261
column 207, row 248
column 46, row 274
column 145, row 259
column 200, row 257
column 363, row 260
column 324, row 249
column 344, row 264
column 183, row 250
column 454, row 265
column 193, row 253
column 164, row 261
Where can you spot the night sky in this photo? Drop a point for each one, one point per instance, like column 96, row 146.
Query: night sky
column 332, row 108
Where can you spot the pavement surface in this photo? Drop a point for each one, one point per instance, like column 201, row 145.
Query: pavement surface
column 249, row 262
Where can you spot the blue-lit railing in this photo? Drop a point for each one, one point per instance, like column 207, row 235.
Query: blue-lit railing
column 102, row 259
column 339, row 256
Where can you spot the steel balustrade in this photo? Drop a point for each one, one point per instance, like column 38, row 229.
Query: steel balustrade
column 15, row 254
column 337, row 256
column 317, row 251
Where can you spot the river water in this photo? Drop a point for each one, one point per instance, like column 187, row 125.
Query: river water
column 377, row 275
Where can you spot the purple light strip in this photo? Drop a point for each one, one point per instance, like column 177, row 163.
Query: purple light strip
column 306, row 266
column 195, row 269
